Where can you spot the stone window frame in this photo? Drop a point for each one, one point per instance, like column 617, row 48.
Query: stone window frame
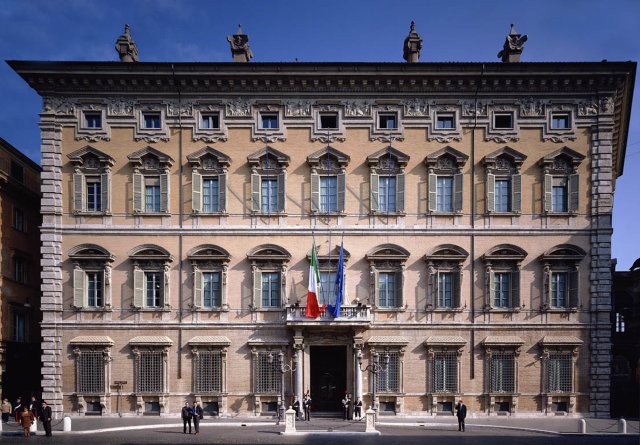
column 206, row 163
column 259, row 162
column 561, row 163
column 91, row 134
column 160, row 344
column 443, row 344
column 209, row 135
column 503, row 345
column 564, row 345
column 209, row 258
column 446, row 258
column 379, row 346
column 268, row 134
column 387, row 162
column 328, row 162
column 500, row 259
column 378, row 133
column 91, row 258
column 444, row 135
column 560, row 135
column 146, row 163
column 90, row 162
column 150, row 258
column 504, row 163
column 151, row 135
column 268, row 258
column 328, row 262
column 214, row 343
column 328, row 134
column 446, row 162
column 502, row 135
column 101, row 344
column 387, row 258
column 563, row 258
column 260, row 346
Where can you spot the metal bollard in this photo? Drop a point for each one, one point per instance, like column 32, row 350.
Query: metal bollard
column 582, row 426
column 1, row 426
column 66, row 424
column 622, row 426
column 289, row 421
column 370, row 421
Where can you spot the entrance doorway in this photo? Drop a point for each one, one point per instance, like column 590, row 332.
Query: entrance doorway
column 328, row 377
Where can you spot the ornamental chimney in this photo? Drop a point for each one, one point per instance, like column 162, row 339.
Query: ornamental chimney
column 239, row 43
column 126, row 47
column 513, row 46
column 412, row 45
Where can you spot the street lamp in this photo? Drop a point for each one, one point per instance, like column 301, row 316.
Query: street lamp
column 374, row 368
column 283, row 368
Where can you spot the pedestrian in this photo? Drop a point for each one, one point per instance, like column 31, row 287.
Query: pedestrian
column 26, row 419
column 296, row 406
column 461, row 412
column 358, row 409
column 306, row 405
column 45, row 416
column 197, row 416
column 17, row 409
column 187, row 414
column 346, row 401
column 6, row 409
column 34, row 407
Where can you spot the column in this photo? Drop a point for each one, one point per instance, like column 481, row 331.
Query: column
column 297, row 390
column 357, row 356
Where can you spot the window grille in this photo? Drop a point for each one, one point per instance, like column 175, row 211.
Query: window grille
column 266, row 374
column 445, row 372
column 150, row 371
column 208, row 378
column 388, row 379
column 91, row 372
column 559, row 369
column 502, row 372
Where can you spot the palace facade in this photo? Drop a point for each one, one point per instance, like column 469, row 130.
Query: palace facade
column 181, row 202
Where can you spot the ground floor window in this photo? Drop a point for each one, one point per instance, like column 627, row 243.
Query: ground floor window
column 150, row 371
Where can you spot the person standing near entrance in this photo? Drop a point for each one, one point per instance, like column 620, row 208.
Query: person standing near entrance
column 45, row 416
column 357, row 414
column 346, row 402
column 186, row 413
column 306, row 405
column 296, row 406
column 461, row 412
column 197, row 416
column 6, row 410
column 26, row 419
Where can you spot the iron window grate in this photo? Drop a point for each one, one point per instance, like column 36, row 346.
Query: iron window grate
column 502, row 373
column 266, row 376
column 91, row 372
column 208, row 372
column 388, row 379
column 445, row 372
column 150, row 367
column 559, row 372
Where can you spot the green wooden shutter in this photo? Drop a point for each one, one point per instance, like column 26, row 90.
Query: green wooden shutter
column 373, row 187
column 281, row 191
column 222, row 193
column 434, row 295
column 457, row 278
column 458, row 186
column 79, row 286
column 492, row 288
column 548, row 193
column 515, row 289
column 399, row 288
column 138, row 189
column 196, row 191
column 574, row 298
column 164, row 192
column 315, row 192
column 491, row 192
column 197, row 288
column 376, row 288
column 400, row 183
column 138, row 288
column 79, row 192
column 433, row 192
column 574, row 192
column 257, row 288
column 342, row 189
column 546, row 302
column 516, row 193
column 255, row 192
column 105, row 189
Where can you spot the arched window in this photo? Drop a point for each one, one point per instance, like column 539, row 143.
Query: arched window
column 561, row 185
column 504, row 182
column 444, row 268
column 209, row 181
column 91, row 277
column 150, row 277
column 387, row 180
column 210, row 264
column 328, row 180
column 502, row 277
column 386, row 272
column 268, row 181
column 445, row 180
column 151, row 171
column 91, row 181
column 561, row 277
column 269, row 267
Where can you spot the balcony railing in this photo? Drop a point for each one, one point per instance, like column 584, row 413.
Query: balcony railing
column 349, row 315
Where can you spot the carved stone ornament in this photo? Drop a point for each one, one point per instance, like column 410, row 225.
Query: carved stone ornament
column 416, row 107
column 501, row 139
column 58, row 105
column 182, row 108
column 238, row 107
column 473, row 108
column 120, row 106
column 607, row 105
column 357, row 108
column 445, row 139
column 327, row 138
column 298, row 108
column 588, row 108
column 560, row 138
column 530, row 107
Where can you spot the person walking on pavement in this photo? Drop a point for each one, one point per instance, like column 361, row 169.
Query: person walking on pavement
column 296, row 406
column 187, row 414
column 26, row 419
column 45, row 416
column 306, row 404
column 358, row 409
column 461, row 412
column 197, row 416
column 6, row 410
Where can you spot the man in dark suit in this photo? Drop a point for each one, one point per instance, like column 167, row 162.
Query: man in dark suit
column 461, row 412
column 45, row 416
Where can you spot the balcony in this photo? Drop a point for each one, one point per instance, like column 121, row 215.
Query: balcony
column 350, row 315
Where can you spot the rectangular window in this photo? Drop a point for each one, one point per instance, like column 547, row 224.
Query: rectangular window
column 445, row 121
column 269, row 194
column 388, row 378
column 387, row 193
column 210, row 195
column 502, row 373
column 210, row 121
column 153, row 288
column 503, row 195
column 17, row 171
column 444, row 194
column 445, row 290
column 388, row 121
column 19, row 326
column 445, row 372
column 560, row 195
column 503, row 121
column 387, row 289
column 90, row 372
column 151, row 120
column 94, row 195
column 329, row 121
column 559, row 289
column 94, row 289
column 152, row 194
column 271, row 289
column 620, row 325
column 18, row 219
column 328, row 292
column 20, row 269
column 92, row 120
column 208, row 378
column 266, row 375
column 328, row 193
column 269, row 120
column 560, row 121
column 212, row 289
column 559, row 370
column 150, row 372
column 501, row 289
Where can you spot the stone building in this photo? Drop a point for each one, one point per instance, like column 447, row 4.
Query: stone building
column 19, row 277
column 473, row 200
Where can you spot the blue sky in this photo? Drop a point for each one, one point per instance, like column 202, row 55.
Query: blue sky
column 327, row 30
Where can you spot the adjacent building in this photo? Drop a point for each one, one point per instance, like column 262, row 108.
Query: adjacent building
column 181, row 202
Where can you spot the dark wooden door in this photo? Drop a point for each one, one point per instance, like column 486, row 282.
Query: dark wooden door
column 328, row 377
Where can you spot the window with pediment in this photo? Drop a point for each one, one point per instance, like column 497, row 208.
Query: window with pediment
column 386, row 272
column 210, row 266
column 150, row 366
column 387, row 180
column 209, row 180
column 151, row 173
column 151, row 277
column 268, row 181
column 561, row 277
column 328, row 269
column 328, row 180
column 446, row 180
column 269, row 266
column 91, row 277
column 209, row 364
column 93, row 365
column 561, row 184
column 502, row 277
column 504, row 181
column 91, row 181
column 444, row 270
column 559, row 357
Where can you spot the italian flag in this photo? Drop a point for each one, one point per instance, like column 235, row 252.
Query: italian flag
column 313, row 310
